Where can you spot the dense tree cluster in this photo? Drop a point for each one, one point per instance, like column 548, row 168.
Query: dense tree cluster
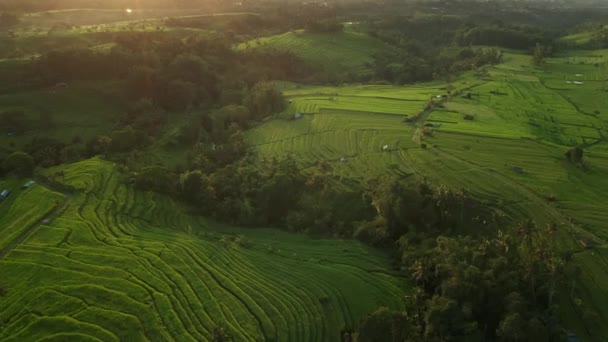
column 516, row 37
column 402, row 208
column 496, row 288
column 500, row 285
column 435, row 46
column 18, row 164
column 253, row 193
column 412, row 63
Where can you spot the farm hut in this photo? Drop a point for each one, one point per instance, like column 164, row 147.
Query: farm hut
column 518, row 169
column 385, row 148
column 578, row 82
column 579, row 75
column 297, row 116
column 4, row 194
column 343, row 160
column 290, row 101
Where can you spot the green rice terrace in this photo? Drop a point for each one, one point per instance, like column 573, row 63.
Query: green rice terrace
column 104, row 262
column 303, row 171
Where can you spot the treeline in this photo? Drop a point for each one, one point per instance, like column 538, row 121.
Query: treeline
column 412, row 63
column 513, row 37
column 430, row 47
column 435, row 46
column 164, row 58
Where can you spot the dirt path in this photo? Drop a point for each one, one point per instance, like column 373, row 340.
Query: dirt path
column 421, row 119
column 427, row 112
column 67, row 200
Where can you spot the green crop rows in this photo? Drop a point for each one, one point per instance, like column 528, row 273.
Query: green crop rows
column 117, row 264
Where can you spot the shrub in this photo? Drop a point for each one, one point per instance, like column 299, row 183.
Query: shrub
column 20, row 164
column 575, row 155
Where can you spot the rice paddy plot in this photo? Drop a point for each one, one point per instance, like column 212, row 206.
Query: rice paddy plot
column 23, row 208
column 360, row 129
column 582, row 84
column 407, row 93
column 529, row 109
column 329, row 137
column 118, row 264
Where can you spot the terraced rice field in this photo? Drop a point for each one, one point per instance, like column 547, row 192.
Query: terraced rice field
column 117, row 264
column 353, row 123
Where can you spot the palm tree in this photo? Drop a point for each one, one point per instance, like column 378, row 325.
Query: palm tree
column 417, row 300
column 443, row 196
column 526, row 230
column 462, row 197
column 420, row 272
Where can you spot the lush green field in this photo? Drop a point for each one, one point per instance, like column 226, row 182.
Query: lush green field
column 344, row 51
column 518, row 116
column 117, row 264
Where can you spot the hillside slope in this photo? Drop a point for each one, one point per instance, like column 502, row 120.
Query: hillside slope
column 340, row 51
